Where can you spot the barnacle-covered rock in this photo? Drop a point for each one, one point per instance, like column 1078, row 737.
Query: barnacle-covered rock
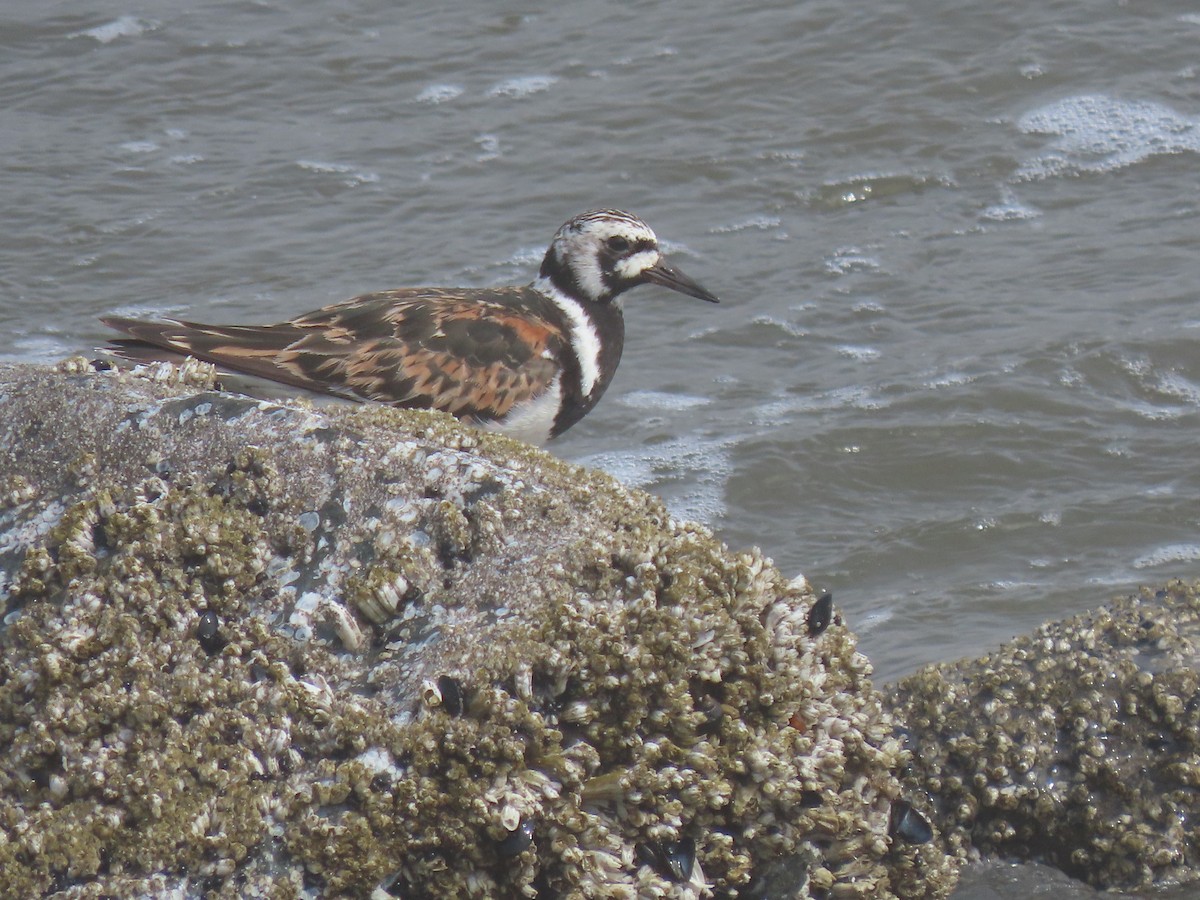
column 264, row 649
column 1077, row 745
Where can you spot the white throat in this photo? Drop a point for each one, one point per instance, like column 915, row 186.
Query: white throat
column 584, row 339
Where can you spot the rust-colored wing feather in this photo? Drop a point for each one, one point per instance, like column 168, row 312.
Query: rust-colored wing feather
column 472, row 356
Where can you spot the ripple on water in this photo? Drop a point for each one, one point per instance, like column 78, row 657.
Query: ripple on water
column 843, row 192
column 851, row 396
column 41, row 348
column 1098, row 133
column 759, row 223
column 139, row 147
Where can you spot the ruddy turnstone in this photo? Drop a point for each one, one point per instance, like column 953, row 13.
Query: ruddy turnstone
column 529, row 361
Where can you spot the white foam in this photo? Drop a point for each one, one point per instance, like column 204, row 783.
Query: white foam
column 849, row 259
column 1098, row 133
column 439, row 93
column 489, row 147
column 1153, row 412
column 949, row 379
column 862, row 354
column 522, row 86
column 848, row 397
column 688, row 473
column 789, row 328
column 663, row 400
column 353, row 176
column 1175, row 385
column 125, row 26
column 1168, row 553
column 1009, row 211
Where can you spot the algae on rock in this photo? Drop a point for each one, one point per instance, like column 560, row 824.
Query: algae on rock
column 268, row 650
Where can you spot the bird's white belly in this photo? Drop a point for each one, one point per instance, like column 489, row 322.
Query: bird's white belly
column 532, row 420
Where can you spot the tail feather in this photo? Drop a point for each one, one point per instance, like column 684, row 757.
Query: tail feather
column 246, row 349
column 142, row 353
column 211, row 342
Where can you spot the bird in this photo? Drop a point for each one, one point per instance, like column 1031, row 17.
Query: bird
column 529, row 361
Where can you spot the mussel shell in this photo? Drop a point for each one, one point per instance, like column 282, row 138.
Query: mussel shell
column 208, row 633
column 519, row 839
column 672, row 860
column 909, row 825
column 452, row 695
column 820, row 614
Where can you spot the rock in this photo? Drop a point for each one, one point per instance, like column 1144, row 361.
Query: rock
column 264, row 649
column 1077, row 745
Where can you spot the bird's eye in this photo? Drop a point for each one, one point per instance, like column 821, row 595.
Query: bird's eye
column 618, row 244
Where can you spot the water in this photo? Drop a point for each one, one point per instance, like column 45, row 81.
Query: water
column 955, row 377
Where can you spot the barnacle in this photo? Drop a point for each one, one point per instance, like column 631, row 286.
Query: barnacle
column 381, row 649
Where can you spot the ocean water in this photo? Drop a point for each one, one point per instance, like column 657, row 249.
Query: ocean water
column 955, row 376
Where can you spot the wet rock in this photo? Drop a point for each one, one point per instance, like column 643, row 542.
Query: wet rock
column 433, row 639
column 1077, row 745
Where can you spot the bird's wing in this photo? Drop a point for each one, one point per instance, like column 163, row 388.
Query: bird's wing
column 475, row 356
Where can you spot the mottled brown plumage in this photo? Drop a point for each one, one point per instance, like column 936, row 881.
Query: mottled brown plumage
column 427, row 348
column 530, row 360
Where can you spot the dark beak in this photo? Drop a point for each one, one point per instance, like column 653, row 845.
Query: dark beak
column 670, row 277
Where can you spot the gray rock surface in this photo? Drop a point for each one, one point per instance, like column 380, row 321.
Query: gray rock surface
column 259, row 649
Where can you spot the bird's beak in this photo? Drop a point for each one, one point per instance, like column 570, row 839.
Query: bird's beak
column 668, row 276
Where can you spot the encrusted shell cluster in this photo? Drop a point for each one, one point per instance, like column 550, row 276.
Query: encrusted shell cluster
column 1078, row 744
column 379, row 650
